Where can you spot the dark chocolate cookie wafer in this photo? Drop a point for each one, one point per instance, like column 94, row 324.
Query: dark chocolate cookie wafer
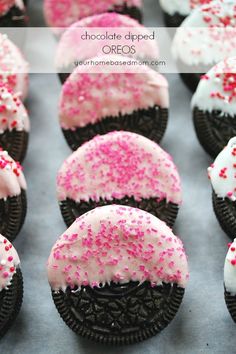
column 167, row 212
column 15, row 17
column 15, row 142
column 12, row 215
column 119, row 168
column 173, row 20
column 113, row 277
column 213, row 129
column 11, row 285
column 225, row 210
column 191, row 80
column 151, row 123
column 119, row 314
column 132, row 11
column 13, row 202
column 10, row 302
column 230, row 301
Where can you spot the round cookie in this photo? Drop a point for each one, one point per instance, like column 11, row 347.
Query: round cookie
column 175, row 11
column 13, row 202
column 11, row 285
column 72, row 48
column 214, row 107
column 63, row 13
column 222, row 176
column 119, row 168
column 14, row 124
column 13, row 67
column 230, row 280
column 96, row 100
column 206, row 37
column 117, row 275
column 12, row 13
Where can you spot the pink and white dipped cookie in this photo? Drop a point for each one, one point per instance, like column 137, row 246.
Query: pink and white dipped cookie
column 175, row 11
column 206, row 37
column 119, row 168
column 230, row 280
column 14, row 124
column 13, row 201
column 118, row 275
column 11, row 285
column 72, row 48
column 97, row 100
column 222, row 175
column 13, row 68
column 63, row 13
column 214, row 107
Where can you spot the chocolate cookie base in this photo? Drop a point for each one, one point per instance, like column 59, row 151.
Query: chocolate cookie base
column 15, row 17
column 213, row 129
column 191, row 80
column 10, row 302
column 225, row 211
column 167, row 212
column 131, row 11
column 119, row 314
column 151, row 123
column 16, row 143
column 173, row 20
column 230, row 301
column 12, row 215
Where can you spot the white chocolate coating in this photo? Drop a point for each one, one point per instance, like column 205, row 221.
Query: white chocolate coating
column 9, row 262
column 119, row 244
column 222, row 173
column 230, row 269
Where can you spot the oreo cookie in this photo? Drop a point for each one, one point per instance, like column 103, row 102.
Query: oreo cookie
column 119, row 314
column 229, row 280
column 174, row 20
column 13, row 202
column 222, row 177
column 151, row 123
column 119, row 168
column 14, row 124
column 11, row 285
column 14, row 17
column 108, row 100
column 112, row 278
column 213, row 107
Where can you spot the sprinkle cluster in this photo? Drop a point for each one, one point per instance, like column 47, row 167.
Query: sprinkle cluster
column 120, row 244
column 13, row 114
column 8, row 164
column 62, row 13
column 223, row 11
column 8, row 262
column 195, row 3
column 233, row 254
column 117, row 165
column 13, row 68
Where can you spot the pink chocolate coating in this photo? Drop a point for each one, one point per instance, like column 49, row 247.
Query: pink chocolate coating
column 9, row 262
column 5, row 6
column 119, row 244
column 71, row 47
column 12, row 179
column 62, row 13
column 13, row 67
column 13, row 114
column 88, row 96
column 117, row 165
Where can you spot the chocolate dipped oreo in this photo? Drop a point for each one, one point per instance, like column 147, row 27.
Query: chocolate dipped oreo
column 117, row 275
column 119, row 168
column 11, row 285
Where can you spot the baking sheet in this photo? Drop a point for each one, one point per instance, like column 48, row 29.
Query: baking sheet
column 203, row 324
